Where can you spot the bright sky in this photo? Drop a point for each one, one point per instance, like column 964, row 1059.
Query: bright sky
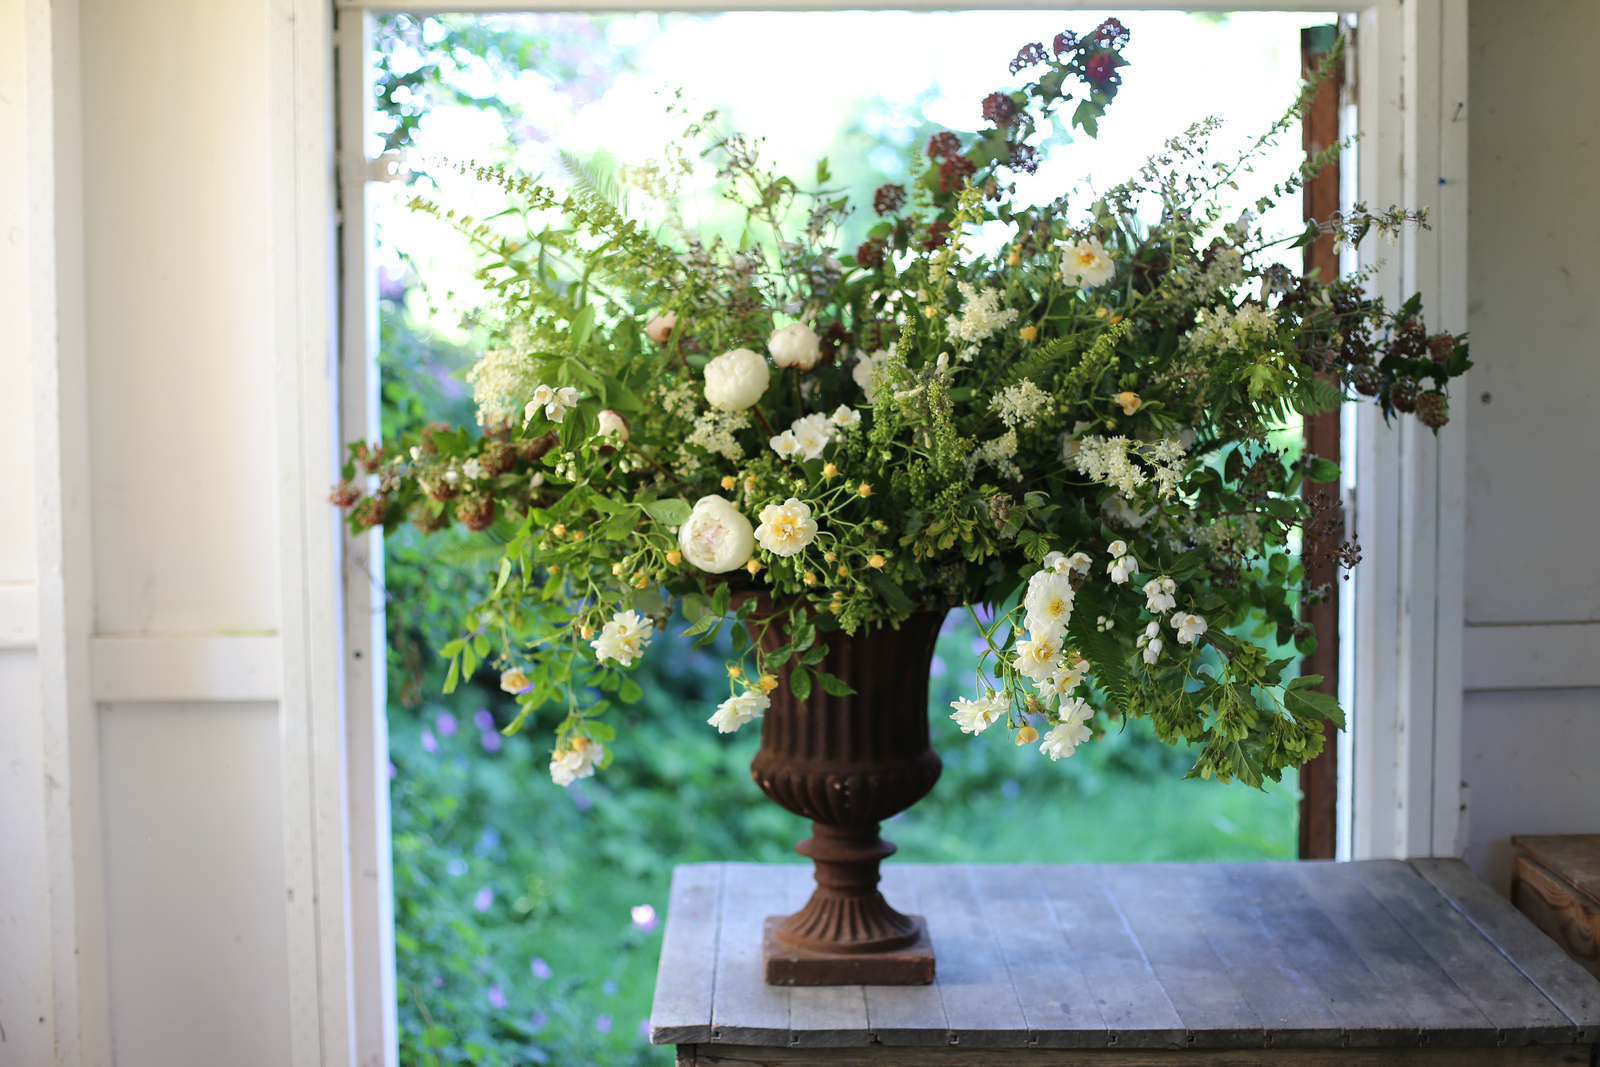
column 798, row 79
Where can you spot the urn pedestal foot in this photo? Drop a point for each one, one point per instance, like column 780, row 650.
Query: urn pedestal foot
column 787, row 965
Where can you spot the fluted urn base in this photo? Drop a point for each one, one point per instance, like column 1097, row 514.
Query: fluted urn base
column 846, row 763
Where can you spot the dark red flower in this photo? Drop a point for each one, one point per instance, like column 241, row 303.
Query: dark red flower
column 870, row 253
column 1024, row 157
column 1031, row 55
column 1000, row 109
column 889, row 198
column 476, row 512
column 371, row 511
column 1065, row 41
column 428, row 519
column 944, row 145
column 1403, row 393
column 1102, row 69
column 1441, row 346
column 955, row 170
column 1433, row 409
column 1110, row 34
column 938, row 234
column 344, row 495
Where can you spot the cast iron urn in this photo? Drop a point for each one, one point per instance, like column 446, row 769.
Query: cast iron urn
column 847, row 763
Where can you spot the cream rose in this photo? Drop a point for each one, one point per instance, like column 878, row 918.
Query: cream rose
column 716, row 538
column 786, row 528
column 796, row 345
column 735, row 380
column 613, row 425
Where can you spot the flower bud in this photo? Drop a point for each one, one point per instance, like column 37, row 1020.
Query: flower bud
column 735, row 380
column 614, row 426
column 754, row 566
column 829, row 470
column 1029, row 332
column 875, row 560
column 728, row 481
column 796, row 345
column 1027, row 736
column 659, row 328
column 864, row 489
column 674, row 557
column 1129, row 402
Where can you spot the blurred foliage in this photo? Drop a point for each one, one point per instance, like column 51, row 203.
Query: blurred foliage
column 520, row 930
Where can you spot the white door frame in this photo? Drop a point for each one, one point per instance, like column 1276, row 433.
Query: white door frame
column 1400, row 772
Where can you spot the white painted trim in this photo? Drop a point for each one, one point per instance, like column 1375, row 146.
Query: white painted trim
column 304, row 282
column 1532, row 655
column 52, row 91
column 1411, row 487
column 612, row 6
column 19, row 614
column 141, row 667
column 376, row 1022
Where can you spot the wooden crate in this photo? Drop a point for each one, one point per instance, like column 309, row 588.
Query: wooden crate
column 1555, row 881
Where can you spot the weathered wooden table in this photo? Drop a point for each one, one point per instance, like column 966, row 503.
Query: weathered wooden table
column 1382, row 962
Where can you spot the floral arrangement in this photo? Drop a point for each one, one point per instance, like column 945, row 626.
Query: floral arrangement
column 1085, row 430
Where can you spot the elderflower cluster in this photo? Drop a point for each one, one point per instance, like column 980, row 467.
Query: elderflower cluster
column 500, row 380
column 713, row 431
column 981, row 315
column 1110, row 461
column 680, row 401
column 999, row 453
column 1221, row 329
column 1021, row 404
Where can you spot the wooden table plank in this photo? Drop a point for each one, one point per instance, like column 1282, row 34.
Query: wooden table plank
column 1283, row 997
column 717, row 1055
column 1444, row 1014
column 744, row 1009
column 681, row 1013
column 1575, row 857
column 1571, row 988
column 906, row 1014
column 1057, row 1004
column 1214, row 1012
column 822, row 1016
column 980, row 1004
column 1339, row 977
column 1511, row 1003
column 1132, row 1003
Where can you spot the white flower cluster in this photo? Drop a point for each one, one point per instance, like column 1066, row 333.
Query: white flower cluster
column 577, row 760
column 1221, row 329
column 500, row 380
column 624, row 638
column 679, row 401
column 976, row 716
column 1086, row 263
column 555, row 402
column 786, row 528
column 865, row 372
column 981, row 315
column 738, row 710
column 1109, row 460
column 1063, row 740
column 1122, row 563
column 999, row 454
column 1022, row 404
column 808, row 435
column 714, row 430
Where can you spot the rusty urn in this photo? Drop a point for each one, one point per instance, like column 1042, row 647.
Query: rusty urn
column 847, row 763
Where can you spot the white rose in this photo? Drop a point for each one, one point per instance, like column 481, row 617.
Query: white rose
column 1036, row 658
column 976, row 716
column 811, row 434
column 716, row 538
column 659, row 328
column 1086, row 263
column 576, row 762
column 738, row 710
column 735, row 380
column 1048, row 603
column 786, row 528
column 613, row 425
column 796, row 345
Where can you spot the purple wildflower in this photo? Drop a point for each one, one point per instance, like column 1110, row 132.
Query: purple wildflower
column 484, row 899
column 446, row 724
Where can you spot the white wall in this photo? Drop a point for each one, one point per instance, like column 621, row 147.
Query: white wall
column 1531, row 727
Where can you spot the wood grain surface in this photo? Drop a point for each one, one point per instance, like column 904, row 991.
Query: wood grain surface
column 717, row 1055
column 1346, row 961
column 1557, row 908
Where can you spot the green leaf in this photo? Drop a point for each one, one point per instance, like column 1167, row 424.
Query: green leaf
column 800, row 683
column 631, row 691
column 816, row 654
column 601, row 731
column 671, row 511
column 582, row 326
column 453, row 676
column 835, row 687
column 480, row 645
column 505, row 574
column 892, row 594
column 469, row 662
column 804, row 635
column 705, row 622
column 1322, row 470
column 741, row 637
column 780, row 657
column 719, row 599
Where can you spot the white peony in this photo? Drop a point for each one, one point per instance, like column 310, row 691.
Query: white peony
column 976, row 716
column 1189, row 627
column 623, row 638
column 659, row 328
column 845, row 417
column 735, row 380
column 1036, row 657
column 578, row 761
column 786, row 528
column 866, row 371
column 1063, row 740
column 1048, row 603
column 738, row 710
column 1158, row 595
column 1087, row 264
column 613, row 425
column 716, row 538
column 796, row 345
column 812, row 433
